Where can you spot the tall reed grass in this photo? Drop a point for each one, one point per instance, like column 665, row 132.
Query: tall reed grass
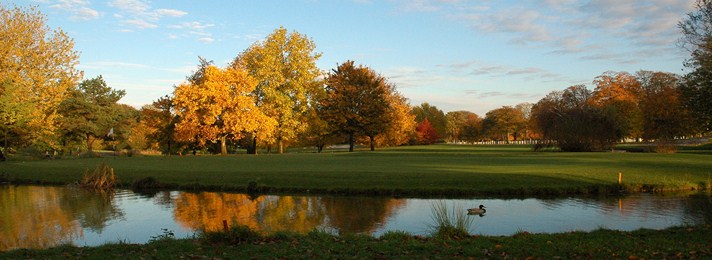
column 101, row 178
column 450, row 223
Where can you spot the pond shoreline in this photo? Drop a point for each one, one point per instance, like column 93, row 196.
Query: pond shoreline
column 594, row 190
column 676, row 242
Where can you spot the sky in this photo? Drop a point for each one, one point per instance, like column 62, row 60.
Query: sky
column 453, row 54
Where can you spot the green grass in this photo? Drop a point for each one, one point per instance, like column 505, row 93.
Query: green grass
column 449, row 170
column 680, row 242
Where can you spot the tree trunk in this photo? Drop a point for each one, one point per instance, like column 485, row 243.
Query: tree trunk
column 223, row 145
column 90, row 143
column 351, row 142
column 253, row 149
column 319, row 148
column 280, row 146
column 373, row 145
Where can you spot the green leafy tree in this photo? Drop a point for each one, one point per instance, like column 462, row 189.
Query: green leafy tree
column 37, row 72
column 356, row 102
column 160, row 119
column 284, row 65
column 91, row 112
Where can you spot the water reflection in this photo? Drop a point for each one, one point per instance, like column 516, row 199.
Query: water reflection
column 38, row 217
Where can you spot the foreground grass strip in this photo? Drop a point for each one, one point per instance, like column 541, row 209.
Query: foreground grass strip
column 450, row 170
column 681, row 242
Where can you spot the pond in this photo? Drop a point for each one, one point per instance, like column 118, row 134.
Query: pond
column 46, row 216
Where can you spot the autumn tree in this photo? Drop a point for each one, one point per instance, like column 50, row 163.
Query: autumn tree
column 356, row 102
column 570, row 120
column 37, row 72
column 472, row 129
column 284, row 65
column 618, row 95
column 91, row 111
column 401, row 122
column 664, row 114
column 435, row 116
column 161, row 121
column 455, row 123
column 218, row 105
column 426, row 132
column 503, row 122
column 697, row 88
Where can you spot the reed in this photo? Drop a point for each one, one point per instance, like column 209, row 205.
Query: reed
column 101, row 178
column 450, row 223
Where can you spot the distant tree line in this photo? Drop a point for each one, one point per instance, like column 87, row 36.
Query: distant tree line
column 272, row 96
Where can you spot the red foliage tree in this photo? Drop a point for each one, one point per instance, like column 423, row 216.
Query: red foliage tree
column 426, row 133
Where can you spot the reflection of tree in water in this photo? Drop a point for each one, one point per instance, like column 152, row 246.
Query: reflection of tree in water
column 359, row 214
column 206, row 210
column 41, row 217
column 289, row 213
column 93, row 209
column 700, row 205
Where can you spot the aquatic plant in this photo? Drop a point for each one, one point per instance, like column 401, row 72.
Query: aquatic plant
column 450, row 223
column 101, row 178
column 235, row 235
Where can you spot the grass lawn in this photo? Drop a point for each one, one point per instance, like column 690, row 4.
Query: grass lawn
column 409, row 171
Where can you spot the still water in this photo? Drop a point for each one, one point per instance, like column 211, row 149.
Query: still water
column 41, row 216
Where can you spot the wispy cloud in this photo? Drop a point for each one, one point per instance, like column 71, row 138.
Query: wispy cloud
column 80, row 10
column 138, row 14
column 610, row 25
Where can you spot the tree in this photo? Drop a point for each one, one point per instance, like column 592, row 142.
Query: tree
column 572, row 122
column 37, row 72
column 456, row 121
column 697, row 87
column 472, row 129
column 401, row 123
column 356, row 102
column 90, row 112
column 285, row 67
column 502, row 122
column 159, row 117
column 435, row 116
column 426, row 132
column 618, row 94
column 664, row 115
column 218, row 105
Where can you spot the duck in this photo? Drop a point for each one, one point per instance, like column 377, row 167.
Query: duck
column 477, row 211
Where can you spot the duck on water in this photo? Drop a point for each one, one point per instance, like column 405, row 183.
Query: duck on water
column 477, row 211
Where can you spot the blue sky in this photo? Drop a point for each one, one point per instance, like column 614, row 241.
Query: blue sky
column 454, row 54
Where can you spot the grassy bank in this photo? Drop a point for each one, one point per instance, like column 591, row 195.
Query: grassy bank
column 682, row 242
column 449, row 170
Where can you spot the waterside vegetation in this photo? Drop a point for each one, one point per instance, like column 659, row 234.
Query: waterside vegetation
column 240, row 242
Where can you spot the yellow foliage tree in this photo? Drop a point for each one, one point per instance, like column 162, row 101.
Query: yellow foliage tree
column 219, row 106
column 37, row 70
column 284, row 65
column 618, row 94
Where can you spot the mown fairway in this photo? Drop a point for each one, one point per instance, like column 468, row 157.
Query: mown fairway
column 412, row 170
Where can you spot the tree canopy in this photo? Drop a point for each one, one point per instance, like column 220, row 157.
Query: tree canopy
column 284, row 65
column 36, row 76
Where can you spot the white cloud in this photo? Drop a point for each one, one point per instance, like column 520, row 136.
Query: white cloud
column 138, row 14
column 170, row 12
column 192, row 25
column 206, row 40
column 79, row 9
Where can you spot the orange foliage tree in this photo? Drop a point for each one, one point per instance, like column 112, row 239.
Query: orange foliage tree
column 618, row 95
column 426, row 132
column 356, row 102
column 217, row 105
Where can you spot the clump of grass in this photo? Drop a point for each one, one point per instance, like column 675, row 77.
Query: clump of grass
column 101, row 178
column 396, row 236
column 235, row 235
column 450, row 223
